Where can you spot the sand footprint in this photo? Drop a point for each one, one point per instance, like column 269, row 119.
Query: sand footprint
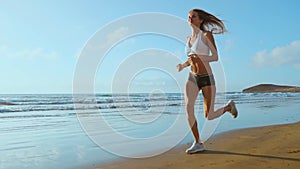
column 294, row 151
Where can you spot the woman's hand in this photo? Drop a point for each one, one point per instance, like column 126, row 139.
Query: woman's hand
column 179, row 67
column 182, row 66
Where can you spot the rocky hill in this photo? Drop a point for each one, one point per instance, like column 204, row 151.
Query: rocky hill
column 265, row 88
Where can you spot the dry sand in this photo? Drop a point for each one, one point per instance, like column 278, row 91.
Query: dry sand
column 272, row 147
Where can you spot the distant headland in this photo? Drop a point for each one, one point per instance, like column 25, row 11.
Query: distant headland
column 265, row 88
column 6, row 103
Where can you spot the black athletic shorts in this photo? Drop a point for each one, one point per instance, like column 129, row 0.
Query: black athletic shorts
column 202, row 80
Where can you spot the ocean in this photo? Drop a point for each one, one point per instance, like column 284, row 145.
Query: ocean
column 63, row 131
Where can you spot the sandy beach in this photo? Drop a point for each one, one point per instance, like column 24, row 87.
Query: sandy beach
column 271, row 147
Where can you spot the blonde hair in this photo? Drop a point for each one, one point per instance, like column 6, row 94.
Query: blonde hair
column 210, row 22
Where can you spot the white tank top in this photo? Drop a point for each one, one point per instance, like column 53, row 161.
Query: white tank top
column 198, row 47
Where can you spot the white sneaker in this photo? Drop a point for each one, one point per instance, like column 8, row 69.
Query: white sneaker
column 196, row 147
column 233, row 110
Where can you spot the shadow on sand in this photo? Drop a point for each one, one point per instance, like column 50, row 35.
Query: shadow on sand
column 249, row 155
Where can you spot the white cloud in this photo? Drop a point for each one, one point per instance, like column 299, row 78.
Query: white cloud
column 78, row 52
column 6, row 52
column 228, row 44
column 103, row 40
column 297, row 65
column 289, row 54
column 115, row 36
column 36, row 53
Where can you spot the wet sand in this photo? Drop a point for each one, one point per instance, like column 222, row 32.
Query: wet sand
column 271, row 147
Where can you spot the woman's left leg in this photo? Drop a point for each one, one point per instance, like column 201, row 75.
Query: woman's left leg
column 209, row 94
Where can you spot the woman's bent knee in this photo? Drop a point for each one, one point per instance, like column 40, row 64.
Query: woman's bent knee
column 209, row 116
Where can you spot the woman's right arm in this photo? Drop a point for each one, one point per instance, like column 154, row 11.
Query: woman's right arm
column 182, row 66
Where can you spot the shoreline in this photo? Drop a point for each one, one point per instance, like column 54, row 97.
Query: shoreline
column 275, row 146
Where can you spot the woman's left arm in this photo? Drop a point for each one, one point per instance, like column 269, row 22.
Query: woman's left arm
column 210, row 42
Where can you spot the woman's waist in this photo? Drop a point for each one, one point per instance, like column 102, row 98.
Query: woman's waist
column 201, row 65
column 202, row 74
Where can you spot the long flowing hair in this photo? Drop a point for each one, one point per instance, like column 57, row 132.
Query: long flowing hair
column 210, row 22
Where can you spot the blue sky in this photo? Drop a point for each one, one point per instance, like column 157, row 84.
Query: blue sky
column 40, row 42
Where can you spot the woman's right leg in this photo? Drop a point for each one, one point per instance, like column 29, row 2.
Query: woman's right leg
column 191, row 94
